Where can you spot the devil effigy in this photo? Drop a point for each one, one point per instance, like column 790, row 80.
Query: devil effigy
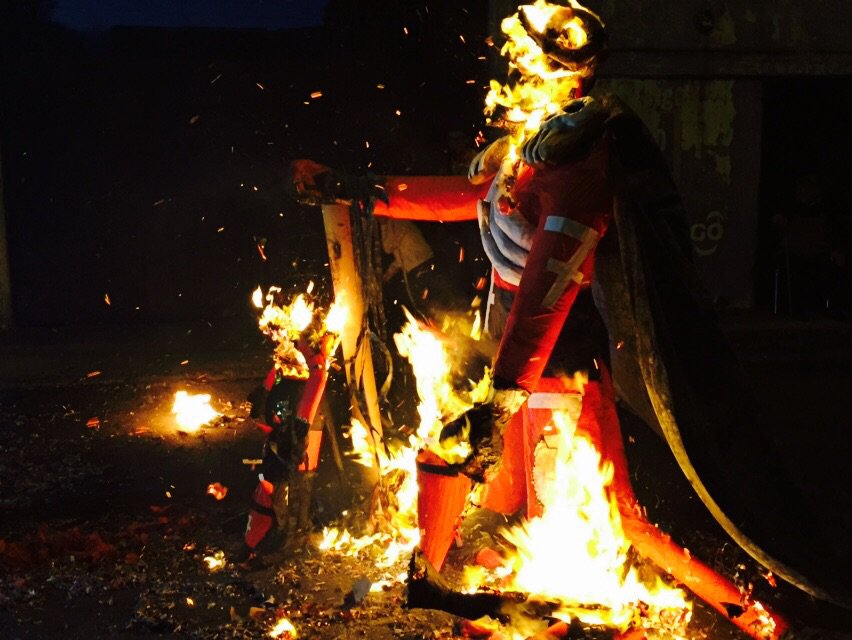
column 592, row 271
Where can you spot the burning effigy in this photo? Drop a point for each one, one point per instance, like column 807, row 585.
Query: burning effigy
column 593, row 298
column 305, row 339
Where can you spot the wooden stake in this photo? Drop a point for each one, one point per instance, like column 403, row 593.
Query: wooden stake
column 357, row 354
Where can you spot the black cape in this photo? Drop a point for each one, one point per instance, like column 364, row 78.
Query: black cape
column 673, row 367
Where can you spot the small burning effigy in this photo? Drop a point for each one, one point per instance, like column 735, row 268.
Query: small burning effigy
column 287, row 323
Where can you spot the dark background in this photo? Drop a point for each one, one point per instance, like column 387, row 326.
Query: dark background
column 144, row 147
column 145, row 163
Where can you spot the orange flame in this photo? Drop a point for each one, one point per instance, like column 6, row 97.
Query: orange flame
column 542, row 87
column 286, row 324
column 576, row 553
column 192, row 412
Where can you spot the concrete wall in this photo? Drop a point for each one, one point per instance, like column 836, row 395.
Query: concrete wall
column 710, row 131
column 693, row 70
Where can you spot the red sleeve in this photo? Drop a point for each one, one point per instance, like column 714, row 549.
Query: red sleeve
column 573, row 206
column 317, row 377
column 431, row 198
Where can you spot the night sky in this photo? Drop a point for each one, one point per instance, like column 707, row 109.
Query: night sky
column 266, row 14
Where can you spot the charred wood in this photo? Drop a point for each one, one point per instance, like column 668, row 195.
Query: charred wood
column 428, row 590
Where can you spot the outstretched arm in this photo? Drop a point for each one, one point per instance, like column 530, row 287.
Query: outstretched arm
column 425, row 198
column 430, row 198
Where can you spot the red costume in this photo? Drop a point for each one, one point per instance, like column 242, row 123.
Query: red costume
column 593, row 199
column 568, row 207
column 562, row 211
column 294, row 440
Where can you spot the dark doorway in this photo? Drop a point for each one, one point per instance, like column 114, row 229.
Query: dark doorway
column 806, row 197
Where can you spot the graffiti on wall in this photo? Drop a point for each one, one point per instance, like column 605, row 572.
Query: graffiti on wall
column 708, row 233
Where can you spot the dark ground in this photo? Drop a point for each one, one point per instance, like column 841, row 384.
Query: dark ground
column 103, row 530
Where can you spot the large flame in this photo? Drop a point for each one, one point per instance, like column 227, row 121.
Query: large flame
column 439, row 401
column 539, row 87
column 576, row 553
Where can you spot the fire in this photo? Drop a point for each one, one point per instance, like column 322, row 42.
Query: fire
column 440, row 402
column 301, row 312
column 283, row 629
column 429, row 353
column 576, row 553
column 335, row 319
column 217, row 490
column 476, row 327
column 191, row 412
column 361, row 450
column 543, row 86
column 216, row 561
column 287, row 324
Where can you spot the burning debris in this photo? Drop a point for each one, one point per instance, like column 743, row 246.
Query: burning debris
column 193, row 411
column 217, row 490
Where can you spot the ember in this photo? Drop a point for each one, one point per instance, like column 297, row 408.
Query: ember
column 216, row 561
column 217, row 490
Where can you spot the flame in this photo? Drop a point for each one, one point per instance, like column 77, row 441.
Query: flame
column 302, row 313
column 476, row 328
column 542, row 86
column 283, row 629
column 287, row 324
column 216, row 561
column 429, row 353
column 217, row 490
column 361, row 448
column 576, row 553
column 439, row 402
column 335, row 319
column 191, row 412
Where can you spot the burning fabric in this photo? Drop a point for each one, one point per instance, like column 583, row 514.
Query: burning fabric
column 577, row 197
column 285, row 325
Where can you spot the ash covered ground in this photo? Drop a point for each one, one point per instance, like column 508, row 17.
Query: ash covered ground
column 105, row 519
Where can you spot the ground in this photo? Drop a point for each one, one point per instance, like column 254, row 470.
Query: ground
column 105, row 519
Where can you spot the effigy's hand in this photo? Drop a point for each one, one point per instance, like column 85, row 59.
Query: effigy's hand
column 482, row 429
column 315, row 184
column 311, row 183
column 478, row 429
